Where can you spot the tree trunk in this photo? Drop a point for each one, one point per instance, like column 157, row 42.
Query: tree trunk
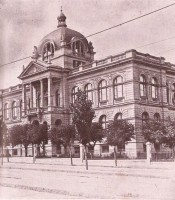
column 26, row 154
column 44, row 150
column 115, row 156
column 70, row 152
column 86, row 157
column 7, row 154
column 83, row 153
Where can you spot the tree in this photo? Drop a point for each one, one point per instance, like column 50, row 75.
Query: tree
column 154, row 132
column 169, row 136
column 82, row 117
column 63, row 135
column 18, row 135
column 4, row 139
column 118, row 133
column 37, row 134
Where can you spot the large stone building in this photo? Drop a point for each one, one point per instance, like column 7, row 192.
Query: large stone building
column 131, row 85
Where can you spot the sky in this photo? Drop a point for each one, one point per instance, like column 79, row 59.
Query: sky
column 23, row 23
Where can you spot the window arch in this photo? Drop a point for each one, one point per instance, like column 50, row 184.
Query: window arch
column 118, row 87
column 78, row 47
column 74, row 93
column 154, row 88
column 173, row 94
column 103, row 121
column 145, row 117
column 157, row 117
column 118, row 116
column 48, row 50
column 6, row 111
column 14, row 110
column 88, row 90
column 57, row 98
column 102, row 90
column 142, row 85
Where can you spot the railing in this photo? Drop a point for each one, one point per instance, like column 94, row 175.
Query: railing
column 162, row 156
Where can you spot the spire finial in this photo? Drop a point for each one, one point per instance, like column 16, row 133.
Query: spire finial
column 61, row 19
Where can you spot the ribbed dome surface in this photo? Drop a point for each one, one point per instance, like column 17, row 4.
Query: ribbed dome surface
column 61, row 34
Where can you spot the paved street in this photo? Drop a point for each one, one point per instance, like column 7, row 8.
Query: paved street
column 56, row 179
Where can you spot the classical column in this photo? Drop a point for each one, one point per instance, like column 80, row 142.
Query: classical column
column 23, row 99
column 49, row 91
column 31, row 95
column 42, row 93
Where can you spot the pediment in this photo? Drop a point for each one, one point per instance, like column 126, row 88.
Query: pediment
column 32, row 69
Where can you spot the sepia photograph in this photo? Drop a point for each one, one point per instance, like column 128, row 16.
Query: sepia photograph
column 87, row 99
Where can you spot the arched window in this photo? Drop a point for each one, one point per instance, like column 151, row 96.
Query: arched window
column 14, row 110
column 102, row 90
column 78, row 47
column 118, row 116
column 48, row 50
column 74, row 93
column 6, row 111
column 157, row 117
column 173, row 94
column 167, row 93
column 103, row 121
column 145, row 117
column 154, row 88
column 142, row 84
column 57, row 98
column 118, row 87
column 88, row 90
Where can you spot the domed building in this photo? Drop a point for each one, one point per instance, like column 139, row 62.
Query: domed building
column 130, row 85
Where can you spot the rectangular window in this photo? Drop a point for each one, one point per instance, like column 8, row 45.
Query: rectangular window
column 15, row 152
column 77, row 150
column 58, row 150
column 105, row 149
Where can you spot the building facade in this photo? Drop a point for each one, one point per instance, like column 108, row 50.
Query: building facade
column 130, row 85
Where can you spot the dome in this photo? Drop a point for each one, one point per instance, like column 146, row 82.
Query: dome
column 61, row 34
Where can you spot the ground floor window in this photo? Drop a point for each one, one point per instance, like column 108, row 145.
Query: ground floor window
column 105, row 149
column 77, row 150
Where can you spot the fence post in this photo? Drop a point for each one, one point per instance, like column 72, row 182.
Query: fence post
column 148, row 152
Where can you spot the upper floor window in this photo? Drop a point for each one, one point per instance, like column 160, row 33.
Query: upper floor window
column 118, row 87
column 118, row 116
column 57, row 98
column 145, row 117
column 173, row 93
column 157, row 117
column 6, row 111
column 48, row 50
column 103, row 121
column 78, row 47
column 154, row 88
column 14, row 110
column 88, row 90
column 74, row 93
column 77, row 63
column 168, row 93
column 102, row 90
column 142, row 84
